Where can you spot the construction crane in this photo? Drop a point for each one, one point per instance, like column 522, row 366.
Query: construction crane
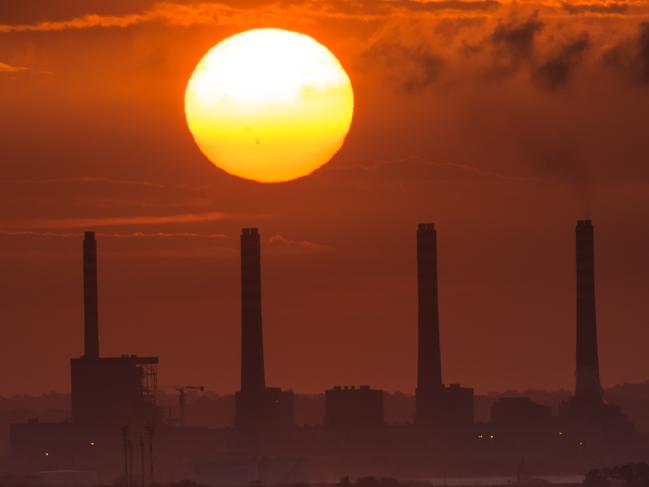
column 181, row 400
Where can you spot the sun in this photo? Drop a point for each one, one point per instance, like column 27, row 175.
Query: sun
column 269, row 105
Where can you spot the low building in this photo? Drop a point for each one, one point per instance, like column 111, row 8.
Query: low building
column 445, row 407
column 352, row 407
column 268, row 409
column 520, row 412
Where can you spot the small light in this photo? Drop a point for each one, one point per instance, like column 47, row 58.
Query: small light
column 480, row 436
column 560, row 433
column 92, row 443
column 581, row 443
column 491, row 436
column 47, row 454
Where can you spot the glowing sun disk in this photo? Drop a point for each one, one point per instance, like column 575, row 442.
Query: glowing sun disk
column 269, row 105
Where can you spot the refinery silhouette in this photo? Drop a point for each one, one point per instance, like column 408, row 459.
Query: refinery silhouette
column 116, row 430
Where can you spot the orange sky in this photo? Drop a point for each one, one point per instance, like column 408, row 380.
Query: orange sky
column 502, row 123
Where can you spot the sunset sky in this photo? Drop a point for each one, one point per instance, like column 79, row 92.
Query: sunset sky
column 500, row 122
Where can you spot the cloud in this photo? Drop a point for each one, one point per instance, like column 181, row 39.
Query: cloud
column 513, row 44
column 8, row 68
column 517, row 38
column 121, row 220
column 218, row 236
column 420, row 169
column 302, row 246
column 436, row 6
column 31, row 233
column 411, row 68
column 556, row 71
column 643, row 51
column 631, row 55
column 166, row 12
column 207, row 13
column 596, row 8
column 82, row 180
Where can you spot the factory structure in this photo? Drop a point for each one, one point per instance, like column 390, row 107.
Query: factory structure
column 116, row 428
column 257, row 406
column 436, row 404
column 115, row 390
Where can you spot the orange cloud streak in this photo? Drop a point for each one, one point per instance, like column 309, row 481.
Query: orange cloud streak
column 122, row 220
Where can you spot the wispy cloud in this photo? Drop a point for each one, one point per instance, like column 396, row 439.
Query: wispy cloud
column 83, row 180
column 596, row 8
column 421, row 169
column 306, row 246
column 31, row 233
column 207, row 13
column 166, row 12
column 218, row 236
column 8, row 68
column 64, row 223
column 273, row 11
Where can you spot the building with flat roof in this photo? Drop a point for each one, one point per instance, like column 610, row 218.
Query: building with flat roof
column 108, row 389
column 353, row 407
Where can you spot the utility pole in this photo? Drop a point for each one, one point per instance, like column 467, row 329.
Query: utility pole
column 130, row 462
column 125, row 445
column 141, row 442
column 182, row 402
column 149, row 431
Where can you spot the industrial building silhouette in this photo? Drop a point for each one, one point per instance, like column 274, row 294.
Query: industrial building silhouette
column 436, row 404
column 353, row 407
column 113, row 398
column 587, row 409
column 257, row 406
column 115, row 390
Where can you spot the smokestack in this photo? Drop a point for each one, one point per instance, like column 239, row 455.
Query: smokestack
column 90, row 307
column 587, row 381
column 429, row 367
column 252, row 348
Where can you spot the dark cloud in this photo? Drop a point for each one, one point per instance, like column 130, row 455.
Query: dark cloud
column 513, row 44
column 631, row 56
column 52, row 16
column 556, row 71
column 596, row 8
column 451, row 5
column 643, row 51
column 518, row 39
column 30, row 11
column 412, row 68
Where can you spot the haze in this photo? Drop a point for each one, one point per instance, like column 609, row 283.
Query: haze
column 503, row 126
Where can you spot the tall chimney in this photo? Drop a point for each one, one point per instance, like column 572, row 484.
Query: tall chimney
column 429, row 367
column 588, row 385
column 90, row 307
column 252, row 348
